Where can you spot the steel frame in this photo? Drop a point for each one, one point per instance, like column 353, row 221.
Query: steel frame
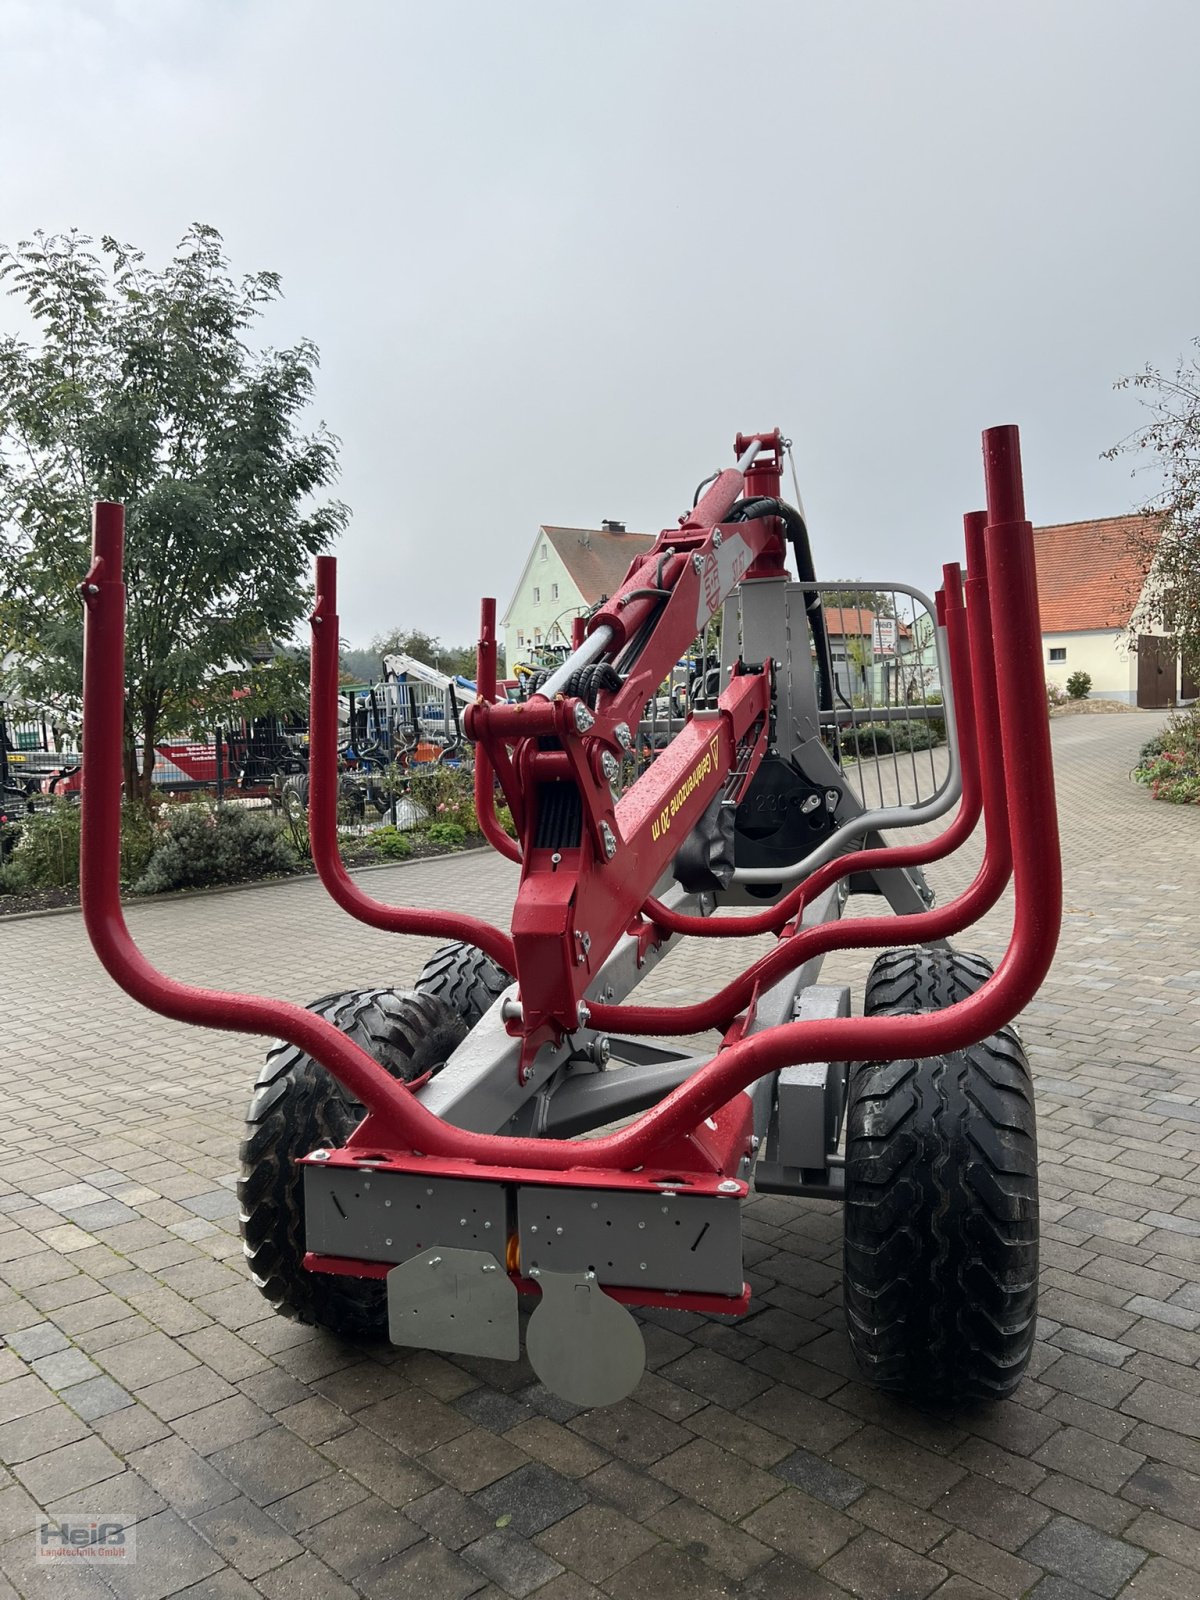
column 596, row 906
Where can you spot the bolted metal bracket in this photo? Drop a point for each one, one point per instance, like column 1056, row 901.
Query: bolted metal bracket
column 459, row 1301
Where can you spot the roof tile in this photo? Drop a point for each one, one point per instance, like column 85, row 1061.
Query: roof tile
column 597, row 558
column 1089, row 575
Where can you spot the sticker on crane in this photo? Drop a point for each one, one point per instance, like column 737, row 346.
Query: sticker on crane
column 722, row 569
column 704, row 769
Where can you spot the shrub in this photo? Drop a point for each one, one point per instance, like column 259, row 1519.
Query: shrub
column 1152, row 747
column 390, row 843
column 1055, row 696
column 1169, row 764
column 1169, row 777
column 882, row 738
column 198, row 845
column 138, row 838
column 1181, row 733
column 46, row 855
column 1079, row 685
column 936, row 698
column 42, row 851
column 452, row 834
column 445, row 794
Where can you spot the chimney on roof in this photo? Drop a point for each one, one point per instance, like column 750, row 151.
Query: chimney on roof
column 610, row 526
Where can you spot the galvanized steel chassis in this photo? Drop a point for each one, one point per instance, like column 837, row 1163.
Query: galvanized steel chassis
column 477, row 1185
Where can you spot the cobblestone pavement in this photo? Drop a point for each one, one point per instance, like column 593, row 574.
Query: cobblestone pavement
column 143, row 1374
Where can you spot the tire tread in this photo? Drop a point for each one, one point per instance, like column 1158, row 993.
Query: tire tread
column 941, row 1228
column 297, row 1107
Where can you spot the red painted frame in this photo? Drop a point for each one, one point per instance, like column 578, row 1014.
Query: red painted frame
column 577, row 899
column 323, row 799
column 396, row 1121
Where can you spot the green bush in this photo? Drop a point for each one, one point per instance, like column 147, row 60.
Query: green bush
column 1056, row 695
column 42, row 850
column 138, row 838
column 882, row 738
column 445, row 794
column 1169, row 764
column 452, row 834
column 1152, row 747
column 199, row 845
column 47, row 850
column 936, row 698
column 390, row 843
column 1079, row 685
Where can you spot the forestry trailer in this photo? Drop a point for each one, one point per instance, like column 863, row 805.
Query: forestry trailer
column 515, row 1130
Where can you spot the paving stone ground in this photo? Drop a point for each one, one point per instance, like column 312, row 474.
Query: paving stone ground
column 143, row 1375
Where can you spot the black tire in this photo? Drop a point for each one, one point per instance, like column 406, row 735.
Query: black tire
column 293, row 796
column 941, row 1223
column 906, row 981
column 298, row 1107
column 466, row 979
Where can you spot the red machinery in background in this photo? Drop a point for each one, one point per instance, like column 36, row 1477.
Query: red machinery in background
column 416, row 1160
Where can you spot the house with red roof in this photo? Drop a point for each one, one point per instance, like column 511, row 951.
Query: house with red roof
column 567, row 571
column 1091, row 581
column 879, row 657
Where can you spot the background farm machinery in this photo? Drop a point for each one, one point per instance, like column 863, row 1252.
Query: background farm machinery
column 419, row 1163
column 410, row 719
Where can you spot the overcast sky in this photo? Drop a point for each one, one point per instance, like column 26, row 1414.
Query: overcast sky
column 556, row 255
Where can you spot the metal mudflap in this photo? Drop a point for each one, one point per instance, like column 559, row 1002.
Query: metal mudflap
column 662, row 1240
column 459, row 1301
column 582, row 1344
column 369, row 1215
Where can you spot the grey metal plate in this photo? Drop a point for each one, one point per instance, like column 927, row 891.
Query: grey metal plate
column 460, row 1301
column 810, row 1095
column 662, row 1241
column 370, row 1215
column 583, row 1345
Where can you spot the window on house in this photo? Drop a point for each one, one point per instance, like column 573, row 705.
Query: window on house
column 537, row 597
column 1058, row 653
column 554, row 591
column 543, row 552
column 520, row 639
column 537, row 636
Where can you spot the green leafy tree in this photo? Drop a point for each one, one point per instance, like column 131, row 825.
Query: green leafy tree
column 1167, row 541
column 450, row 659
column 358, row 666
column 138, row 384
column 881, row 605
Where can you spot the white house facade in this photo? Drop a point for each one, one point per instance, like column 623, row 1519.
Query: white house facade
column 566, row 572
column 1091, row 595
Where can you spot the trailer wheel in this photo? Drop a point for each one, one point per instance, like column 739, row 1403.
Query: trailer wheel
column 298, row 1107
column 293, row 796
column 466, row 979
column 941, row 1225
